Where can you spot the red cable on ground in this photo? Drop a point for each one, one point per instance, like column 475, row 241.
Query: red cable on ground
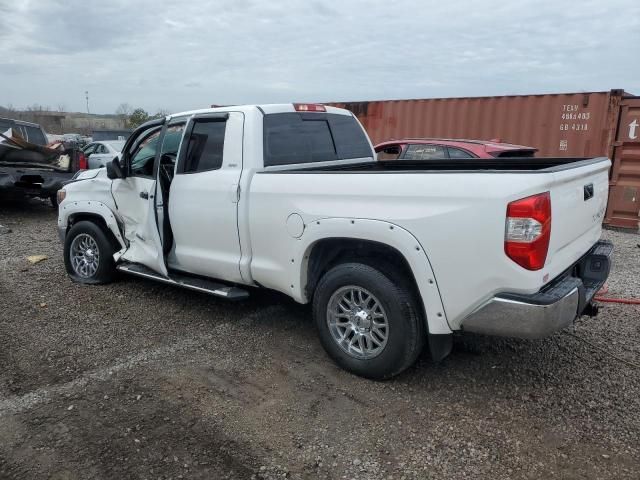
column 626, row 301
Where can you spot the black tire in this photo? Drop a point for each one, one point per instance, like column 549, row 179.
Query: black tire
column 406, row 335
column 106, row 269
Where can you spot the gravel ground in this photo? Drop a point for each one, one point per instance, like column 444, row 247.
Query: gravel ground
column 140, row 380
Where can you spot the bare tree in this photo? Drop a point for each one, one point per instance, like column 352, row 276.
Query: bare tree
column 124, row 109
column 124, row 112
column 36, row 107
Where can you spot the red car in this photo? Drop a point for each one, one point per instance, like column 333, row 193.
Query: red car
column 432, row 148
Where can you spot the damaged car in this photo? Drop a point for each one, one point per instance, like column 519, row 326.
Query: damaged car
column 29, row 167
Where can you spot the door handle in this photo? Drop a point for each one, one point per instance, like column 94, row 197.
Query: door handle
column 144, row 195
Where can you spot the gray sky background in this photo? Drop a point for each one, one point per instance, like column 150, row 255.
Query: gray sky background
column 181, row 55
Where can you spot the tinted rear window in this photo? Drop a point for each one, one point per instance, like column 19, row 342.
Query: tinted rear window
column 291, row 138
column 206, row 146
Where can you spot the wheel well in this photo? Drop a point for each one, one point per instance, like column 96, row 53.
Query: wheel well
column 98, row 220
column 330, row 252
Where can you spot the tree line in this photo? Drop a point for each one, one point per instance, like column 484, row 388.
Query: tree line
column 131, row 117
column 134, row 117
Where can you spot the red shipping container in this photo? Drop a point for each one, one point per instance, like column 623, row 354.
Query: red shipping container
column 585, row 124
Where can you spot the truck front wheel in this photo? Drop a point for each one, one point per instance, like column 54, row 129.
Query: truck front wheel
column 368, row 323
column 88, row 254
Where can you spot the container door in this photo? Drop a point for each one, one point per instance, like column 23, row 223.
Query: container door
column 624, row 197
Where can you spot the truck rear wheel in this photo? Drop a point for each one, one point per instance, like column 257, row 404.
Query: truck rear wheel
column 367, row 322
column 88, row 254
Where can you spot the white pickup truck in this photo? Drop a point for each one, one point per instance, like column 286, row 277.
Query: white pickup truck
column 391, row 255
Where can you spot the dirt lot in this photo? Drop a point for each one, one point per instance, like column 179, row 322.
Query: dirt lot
column 140, row 380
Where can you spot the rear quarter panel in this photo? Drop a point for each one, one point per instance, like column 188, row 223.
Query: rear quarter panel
column 458, row 219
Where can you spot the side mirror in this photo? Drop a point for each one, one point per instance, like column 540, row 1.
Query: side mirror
column 394, row 150
column 114, row 170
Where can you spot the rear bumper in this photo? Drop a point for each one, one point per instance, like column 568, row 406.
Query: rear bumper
column 35, row 183
column 551, row 309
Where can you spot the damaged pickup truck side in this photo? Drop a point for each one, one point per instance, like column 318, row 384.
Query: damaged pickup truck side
column 391, row 255
column 28, row 167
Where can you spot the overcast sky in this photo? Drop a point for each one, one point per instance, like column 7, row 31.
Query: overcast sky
column 181, row 55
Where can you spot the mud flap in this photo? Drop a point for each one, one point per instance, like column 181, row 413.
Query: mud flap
column 440, row 346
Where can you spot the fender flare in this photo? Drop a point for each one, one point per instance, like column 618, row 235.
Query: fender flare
column 69, row 209
column 383, row 232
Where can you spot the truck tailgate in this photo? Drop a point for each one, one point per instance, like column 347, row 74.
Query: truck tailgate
column 578, row 203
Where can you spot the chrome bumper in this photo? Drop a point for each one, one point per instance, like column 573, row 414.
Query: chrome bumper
column 513, row 318
column 555, row 307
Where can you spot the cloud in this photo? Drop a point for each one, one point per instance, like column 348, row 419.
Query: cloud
column 181, row 55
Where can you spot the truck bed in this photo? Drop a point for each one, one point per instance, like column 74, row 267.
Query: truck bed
column 445, row 165
column 458, row 219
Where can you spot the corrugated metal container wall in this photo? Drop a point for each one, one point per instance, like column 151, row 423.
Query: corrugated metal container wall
column 560, row 125
column 624, row 193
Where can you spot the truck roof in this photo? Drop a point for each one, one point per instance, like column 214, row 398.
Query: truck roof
column 264, row 108
column 19, row 122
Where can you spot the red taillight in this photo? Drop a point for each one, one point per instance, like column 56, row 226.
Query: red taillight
column 528, row 230
column 82, row 162
column 309, row 107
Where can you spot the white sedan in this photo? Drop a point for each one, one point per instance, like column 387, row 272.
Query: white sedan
column 100, row 153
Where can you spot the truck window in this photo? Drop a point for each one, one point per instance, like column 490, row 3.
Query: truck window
column 350, row 140
column 291, row 138
column 144, row 155
column 35, row 135
column 424, row 152
column 169, row 151
column 205, row 148
column 172, row 138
